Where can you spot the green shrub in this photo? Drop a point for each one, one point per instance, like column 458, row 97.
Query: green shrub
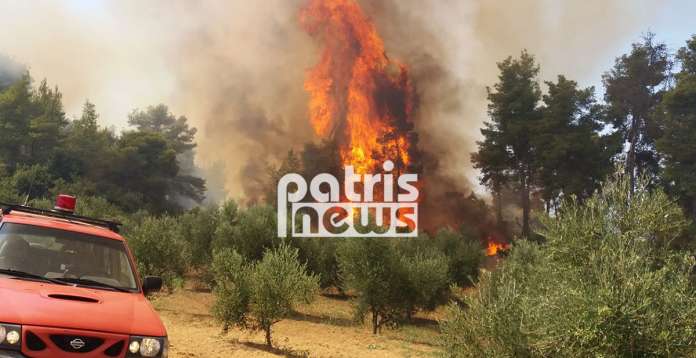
column 320, row 256
column 232, row 288
column 370, row 269
column 392, row 279
column 250, row 232
column 254, row 296
column 98, row 207
column 33, row 181
column 158, row 249
column 426, row 281
column 8, row 193
column 465, row 255
column 198, row 228
column 604, row 285
column 227, row 220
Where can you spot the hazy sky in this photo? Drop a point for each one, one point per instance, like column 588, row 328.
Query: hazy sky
column 98, row 52
column 196, row 56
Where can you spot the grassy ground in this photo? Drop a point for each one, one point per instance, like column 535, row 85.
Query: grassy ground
column 321, row 329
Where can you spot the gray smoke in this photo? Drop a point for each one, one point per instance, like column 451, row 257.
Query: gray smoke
column 236, row 68
column 10, row 70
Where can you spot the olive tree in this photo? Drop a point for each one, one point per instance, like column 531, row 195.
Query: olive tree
column 464, row 254
column 320, row 256
column 391, row 279
column 256, row 295
column 605, row 283
column 198, row 228
column 426, row 282
column 370, row 270
column 158, row 249
column 250, row 232
column 232, row 289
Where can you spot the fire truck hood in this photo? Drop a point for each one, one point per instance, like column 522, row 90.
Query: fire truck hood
column 50, row 305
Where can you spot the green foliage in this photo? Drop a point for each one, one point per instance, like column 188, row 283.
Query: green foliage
column 179, row 136
column 16, row 108
column 46, row 125
column 320, row 256
column 8, row 194
column 464, row 254
column 604, row 284
column 370, row 269
column 391, row 281
column 198, row 228
column 37, row 141
column 687, row 56
column 678, row 123
column 250, row 232
column 572, row 158
column 233, row 287
column 426, row 280
column 228, row 212
column 158, row 119
column 32, row 181
column 32, row 123
column 506, row 156
column 257, row 295
column 91, row 206
column 634, row 87
column 150, row 155
column 87, row 153
column 556, row 148
column 158, row 248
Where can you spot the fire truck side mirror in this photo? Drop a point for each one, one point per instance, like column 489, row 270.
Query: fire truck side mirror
column 151, row 284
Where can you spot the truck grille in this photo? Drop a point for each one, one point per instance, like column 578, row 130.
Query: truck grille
column 76, row 344
column 115, row 349
column 33, row 341
column 49, row 342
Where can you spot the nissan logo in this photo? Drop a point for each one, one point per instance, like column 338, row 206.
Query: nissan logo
column 77, row 343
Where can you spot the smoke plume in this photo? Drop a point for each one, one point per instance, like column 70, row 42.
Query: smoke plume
column 10, row 71
column 236, row 68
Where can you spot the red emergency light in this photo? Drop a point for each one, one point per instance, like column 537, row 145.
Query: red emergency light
column 65, row 203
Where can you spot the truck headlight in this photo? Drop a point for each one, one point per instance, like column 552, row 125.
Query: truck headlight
column 140, row 346
column 134, row 347
column 150, row 347
column 10, row 336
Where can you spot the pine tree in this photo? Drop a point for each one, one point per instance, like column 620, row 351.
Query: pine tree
column 678, row 123
column 571, row 156
column 634, row 87
column 506, row 155
column 16, row 108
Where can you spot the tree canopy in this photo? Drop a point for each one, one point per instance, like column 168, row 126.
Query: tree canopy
column 44, row 150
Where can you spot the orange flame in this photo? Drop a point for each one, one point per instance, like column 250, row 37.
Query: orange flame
column 494, row 247
column 358, row 96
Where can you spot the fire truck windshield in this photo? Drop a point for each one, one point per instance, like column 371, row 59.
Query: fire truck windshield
column 67, row 256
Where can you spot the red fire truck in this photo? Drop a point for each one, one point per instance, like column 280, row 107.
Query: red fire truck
column 69, row 288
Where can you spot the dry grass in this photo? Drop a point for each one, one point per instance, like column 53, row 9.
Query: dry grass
column 322, row 329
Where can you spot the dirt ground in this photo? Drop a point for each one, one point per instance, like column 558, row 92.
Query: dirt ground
column 322, row 329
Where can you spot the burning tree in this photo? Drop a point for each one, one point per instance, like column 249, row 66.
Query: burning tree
column 365, row 105
column 359, row 97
